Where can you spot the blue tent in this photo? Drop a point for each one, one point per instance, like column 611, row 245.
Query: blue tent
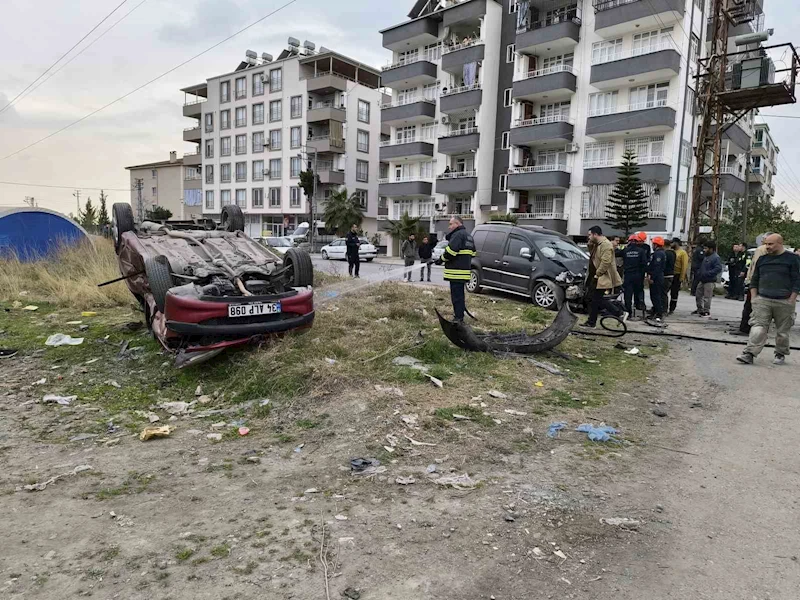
column 33, row 233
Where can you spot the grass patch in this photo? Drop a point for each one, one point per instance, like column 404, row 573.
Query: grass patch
column 307, row 424
column 474, row 414
column 184, row 554
column 537, row 316
column 221, row 551
column 134, row 483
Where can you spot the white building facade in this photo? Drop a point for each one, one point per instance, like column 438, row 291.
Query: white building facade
column 764, row 162
column 167, row 184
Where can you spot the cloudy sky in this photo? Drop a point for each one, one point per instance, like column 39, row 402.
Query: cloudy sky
column 160, row 34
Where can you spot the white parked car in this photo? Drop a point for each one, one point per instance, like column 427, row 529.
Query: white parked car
column 279, row 244
column 337, row 250
column 438, row 250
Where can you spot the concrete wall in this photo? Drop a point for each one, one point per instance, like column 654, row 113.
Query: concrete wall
column 168, row 184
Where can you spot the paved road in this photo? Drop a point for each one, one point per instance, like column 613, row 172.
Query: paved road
column 376, row 271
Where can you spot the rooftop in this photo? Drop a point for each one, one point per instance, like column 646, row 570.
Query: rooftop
column 164, row 163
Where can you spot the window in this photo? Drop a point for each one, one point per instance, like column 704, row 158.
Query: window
column 225, row 146
column 362, row 170
column 606, row 51
column 258, row 84
column 209, row 148
column 296, row 136
column 241, row 144
column 648, row 150
column 512, row 6
column 258, row 113
column 510, row 52
column 427, row 131
column 507, row 97
column 225, row 119
column 405, row 135
column 275, row 110
column 225, row 173
column 426, row 169
column 258, row 197
column 154, row 192
column 209, row 173
column 755, row 161
column 224, row 91
column 430, row 91
column 276, row 80
column 503, row 185
column 153, row 173
column 432, row 52
column 603, row 103
column 258, row 141
column 681, row 204
column 274, row 197
column 651, row 41
column 275, row 139
column 363, row 111
column 275, row 168
column 406, row 57
column 361, row 196
column 598, row 154
column 258, row 170
column 296, row 107
column 225, row 197
column 241, row 116
column 295, row 166
column 551, row 158
column 495, row 242
column 515, row 244
column 557, row 63
column 694, row 51
column 649, row 96
column 241, row 171
column 294, row 197
column 241, row 198
column 691, row 101
column 555, row 111
column 209, row 122
column 209, row 199
column 241, row 88
column 686, row 153
column 505, row 143
column 362, row 144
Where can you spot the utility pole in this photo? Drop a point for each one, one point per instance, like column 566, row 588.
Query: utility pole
column 139, row 206
column 745, row 203
column 77, row 194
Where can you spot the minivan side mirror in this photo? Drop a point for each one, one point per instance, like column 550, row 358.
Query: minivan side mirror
column 525, row 253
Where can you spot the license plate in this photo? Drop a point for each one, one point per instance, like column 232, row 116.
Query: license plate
column 253, row 309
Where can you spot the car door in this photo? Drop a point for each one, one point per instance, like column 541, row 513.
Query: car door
column 518, row 269
column 491, row 257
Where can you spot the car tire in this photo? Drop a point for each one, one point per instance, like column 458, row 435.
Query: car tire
column 546, row 294
column 474, row 283
column 121, row 221
column 302, row 274
column 325, row 255
column 369, row 259
column 159, row 278
column 232, row 218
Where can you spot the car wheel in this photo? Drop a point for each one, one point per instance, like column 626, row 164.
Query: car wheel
column 300, row 271
column 324, row 255
column 159, row 278
column 368, row 259
column 121, row 221
column 232, row 218
column 546, row 294
column 474, row 283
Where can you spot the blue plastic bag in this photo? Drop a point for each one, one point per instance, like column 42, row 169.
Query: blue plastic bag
column 604, row 433
column 554, row 428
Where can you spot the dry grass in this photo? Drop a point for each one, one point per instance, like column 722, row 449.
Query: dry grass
column 68, row 280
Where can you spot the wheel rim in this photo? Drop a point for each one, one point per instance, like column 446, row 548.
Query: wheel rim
column 544, row 296
column 324, row 255
column 473, row 281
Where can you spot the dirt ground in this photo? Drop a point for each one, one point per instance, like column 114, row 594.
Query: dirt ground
column 278, row 513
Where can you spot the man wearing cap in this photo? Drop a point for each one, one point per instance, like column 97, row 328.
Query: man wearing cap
column 606, row 277
column 655, row 270
column 680, row 273
column 634, row 264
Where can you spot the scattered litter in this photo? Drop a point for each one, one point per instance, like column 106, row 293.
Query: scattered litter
column 8, row 352
column 554, row 428
column 392, row 439
column 382, row 320
column 405, row 480
column 516, row 413
column 299, row 448
column 243, row 431
column 30, row 307
column 458, row 482
column 352, row 593
column 538, row 552
column 560, row 554
column 55, row 399
column 340, row 518
column 601, row 433
column 565, row 580
column 593, row 362
column 623, row 522
column 410, row 420
column 330, row 361
column 550, row 368
column 409, row 361
column 82, row 437
column 360, row 464
column 311, row 491
column 427, row 293
column 696, row 405
column 509, row 519
column 431, row 468
column 539, row 384
column 198, row 391
column 88, row 313
column 112, row 383
column 204, row 399
column 659, row 412
column 41, row 381
column 173, row 408
column 498, row 395
column 461, row 417
column 437, row 382
column 38, row 487
column 91, row 361
column 155, row 431
column 50, row 555
column 217, row 437
column 416, row 443
column 218, row 425
column 632, row 351
column 390, row 390
column 60, row 339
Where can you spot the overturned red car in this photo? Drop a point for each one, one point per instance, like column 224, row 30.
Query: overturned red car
column 206, row 286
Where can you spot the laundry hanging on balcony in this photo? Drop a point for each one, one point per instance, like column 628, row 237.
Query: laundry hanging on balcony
column 336, row 134
column 470, row 69
column 523, row 14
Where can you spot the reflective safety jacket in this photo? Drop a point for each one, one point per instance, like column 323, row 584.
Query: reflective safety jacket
column 457, row 256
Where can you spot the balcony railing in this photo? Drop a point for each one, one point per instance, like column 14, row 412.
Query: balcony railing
column 197, row 100
column 191, row 128
column 547, row 71
column 241, row 122
column 327, row 105
column 192, row 176
column 334, row 142
column 327, row 165
column 650, row 160
column 735, row 171
column 190, row 154
column 462, row 45
column 461, row 89
column 456, row 174
column 426, row 56
column 450, row 215
column 599, row 163
column 601, row 5
column 542, row 120
column 408, row 140
column 458, row 132
column 241, row 94
column 613, row 110
column 649, row 49
column 539, row 169
column 560, row 216
column 758, row 143
column 406, row 101
column 404, row 179
column 573, row 15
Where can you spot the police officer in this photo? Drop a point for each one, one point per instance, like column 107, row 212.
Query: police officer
column 634, row 263
column 457, row 259
column 737, row 269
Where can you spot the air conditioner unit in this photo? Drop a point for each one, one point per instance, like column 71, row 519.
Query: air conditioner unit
column 571, row 148
column 264, row 78
column 445, row 120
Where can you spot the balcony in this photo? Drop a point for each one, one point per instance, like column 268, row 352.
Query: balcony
column 654, row 169
column 458, row 12
column 194, row 108
column 731, row 181
column 410, row 73
column 539, row 177
column 640, row 118
column 456, row 56
column 554, row 84
column 650, row 64
column 457, row 182
column 325, row 143
column 547, row 36
column 326, row 83
column 412, row 185
column 191, row 159
column 192, row 134
column 326, row 111
column 549, row 219
column 613, row 17
column 461, row 98
column 328, row 174
column 529, row 132
column 735, row 134
column 418, row 32
column 408, row 111
column 407, row 149
column 459, row 141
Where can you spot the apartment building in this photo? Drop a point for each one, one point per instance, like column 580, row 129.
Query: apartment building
column 256, row 128
column 764, row 162
column 169, row 184
column 528, row 106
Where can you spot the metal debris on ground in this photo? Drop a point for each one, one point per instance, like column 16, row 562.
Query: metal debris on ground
column 498, row 395
column 554, row 428
column 410, row 420
column 622, row 522
column 458, row 482
column 361, row 464
column 38, row 487
column 56, row 399
column 82, row 437
column 30, row 307
column 601, row 433
column 175, row 408
column 416, row 443
column 61, row 339
column 405, row 480
column 516, row 413
column 437, row 382
column 155, row 431
column 552, row 369
column 351, row 594
column 389, row 390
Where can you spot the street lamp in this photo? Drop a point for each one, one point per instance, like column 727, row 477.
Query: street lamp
column 306, row 148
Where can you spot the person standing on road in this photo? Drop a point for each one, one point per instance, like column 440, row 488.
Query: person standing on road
column 634, row 264
column 747, row 309
column 680, row 273
column 425, row 258
column 619, row 254
column 669, row 275
column 698, row 255
column 606, row 277
column 655, row 271
column 457, row 259
column 409, row 253
column 352, row 242
column 710, row 269
column 642, row 237
column 773, row 290
column 737, row 269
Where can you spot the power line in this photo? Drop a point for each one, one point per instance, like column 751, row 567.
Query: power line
column 65, row 187
column 144, row 85
column 780, row 116
column 60, row 58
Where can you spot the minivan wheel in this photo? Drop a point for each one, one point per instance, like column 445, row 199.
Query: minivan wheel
column 474, row 283
column 546, row 294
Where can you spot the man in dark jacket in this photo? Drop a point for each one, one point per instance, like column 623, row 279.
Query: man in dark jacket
column 634, row 263
column 457, row 258
column 710, row 269
column 737, row 269
column 352, row 242
column 655, row 271
column 408, row 250
column 698, row 255
column 669, row 274
column 425, row 258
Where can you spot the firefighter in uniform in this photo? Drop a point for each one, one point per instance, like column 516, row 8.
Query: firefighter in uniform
column 457, row 260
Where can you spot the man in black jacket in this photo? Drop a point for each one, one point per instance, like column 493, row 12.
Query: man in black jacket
column 737, row 269
column 425, row 258
column 352, row 242
column 656, row 270
column 698, row 256
column 634, row 263
column 457, row 258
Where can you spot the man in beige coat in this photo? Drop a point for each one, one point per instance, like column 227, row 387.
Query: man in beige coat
column 606, row 277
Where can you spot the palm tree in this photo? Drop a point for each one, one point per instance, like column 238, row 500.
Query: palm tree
column 342, row 211
column 401, row 229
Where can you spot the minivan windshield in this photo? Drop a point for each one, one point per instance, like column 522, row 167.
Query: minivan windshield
column 556, row 247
